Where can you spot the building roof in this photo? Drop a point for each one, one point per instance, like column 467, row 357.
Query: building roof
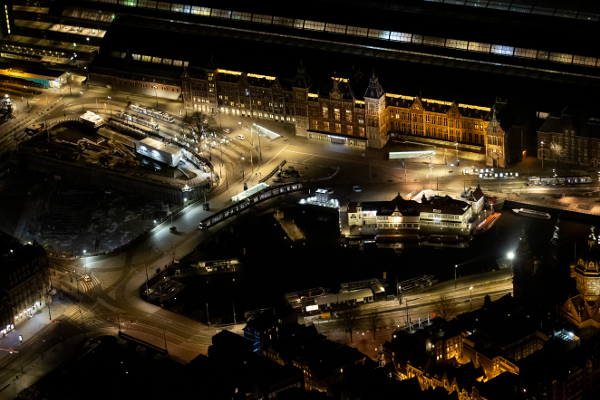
column 158, row 145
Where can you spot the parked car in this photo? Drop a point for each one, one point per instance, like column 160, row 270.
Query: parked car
column 241, row 137
column 227, row 130
column 87, row 278
column 356, row 188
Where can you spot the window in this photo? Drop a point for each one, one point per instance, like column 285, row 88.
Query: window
column 401, row 37
column 361, row 131
column 417, row 39
column 435, row 41
column 177, row 63
column 525, row 53
column 225, row 14
column 348, row 115
column 561, row 58
column 457, row 44
column 289, row 22
column 326, row 125
column 167, row 61
column 333, row 28
column 298, row 23
column 164, row 6
column 355, row 31
column 146, row 58
column 479, row 47
column 588, row 61
column 325, row 112
column 178, row 8
column 361, row 119
column 336, row 114
column 204, row 11
column 338, row 128
column 136, row 57
column 157, row 60
column 314, row 26
column 349, row 129
column 262, row 19
column 377, row 34
column 503, row 50
column 241, row 16
column 542, row 55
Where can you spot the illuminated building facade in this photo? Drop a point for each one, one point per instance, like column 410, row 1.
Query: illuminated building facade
column 24, row 281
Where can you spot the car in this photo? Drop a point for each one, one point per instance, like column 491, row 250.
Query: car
column 329, row 190
column 87, row 278
column 356, row 188
column 227, row 130
column 241, row 137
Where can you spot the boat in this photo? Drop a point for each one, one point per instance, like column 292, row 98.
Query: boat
column 494, row 202
column 531, row 213
column 487, row 223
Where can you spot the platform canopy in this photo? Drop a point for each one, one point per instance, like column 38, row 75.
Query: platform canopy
column 247, row 193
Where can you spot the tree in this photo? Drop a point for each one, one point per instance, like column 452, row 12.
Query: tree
column 557, row 151
column 203, row 124
column 375, row 320
column 350, row 321
column 445, row 307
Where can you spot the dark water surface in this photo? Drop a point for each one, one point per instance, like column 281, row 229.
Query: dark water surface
column 273, row 265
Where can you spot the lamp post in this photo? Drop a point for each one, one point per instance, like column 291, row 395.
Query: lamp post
column 85, row 266
column 456, row 145
column 471, row 297
column 69, row 79
column 445, row 162
column 81, row 93
column 242, row 164
column 156, row 94
column 542, row 155
column 110, row 105
column 455, row 268
column 511, row 256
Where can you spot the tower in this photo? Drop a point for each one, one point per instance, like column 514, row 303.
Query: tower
column 375, row 113
column 301, row 87
column 586, row 272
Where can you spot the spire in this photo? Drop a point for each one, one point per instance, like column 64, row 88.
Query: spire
column 302, row 79
column 374, row 91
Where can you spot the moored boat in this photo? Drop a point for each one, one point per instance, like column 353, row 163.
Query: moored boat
column 531, row 213
column 494, row 202
column 487, row 223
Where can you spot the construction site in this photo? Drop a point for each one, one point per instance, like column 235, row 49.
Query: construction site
column 116, row 157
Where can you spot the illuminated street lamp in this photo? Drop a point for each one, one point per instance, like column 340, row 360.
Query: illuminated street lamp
column 511, row 256
column 455, row 267
column 156, row 94
column 456, row 144
column 109, row 105
column 471, row 296
column 542, row 155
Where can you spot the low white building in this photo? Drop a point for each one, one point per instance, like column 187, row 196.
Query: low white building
column 407, row 215
column 159, row 151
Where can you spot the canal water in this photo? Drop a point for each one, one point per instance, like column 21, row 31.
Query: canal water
column 274, row 265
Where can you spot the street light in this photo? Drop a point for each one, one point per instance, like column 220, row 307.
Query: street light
column 455, row 267
column 511, row 256
column 109, row 105
column 156, row 94
column 471, row 296
column 69, row 79
column 456, row 144
column 81, row 93
column 242, row 164
column 542, row 155
column 85, row 267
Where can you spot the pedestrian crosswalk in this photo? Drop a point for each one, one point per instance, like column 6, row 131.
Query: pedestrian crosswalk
column 87, row 286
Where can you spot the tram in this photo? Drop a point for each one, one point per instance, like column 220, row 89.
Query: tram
column 136, row 120
column 151, row 112
column 248, row 202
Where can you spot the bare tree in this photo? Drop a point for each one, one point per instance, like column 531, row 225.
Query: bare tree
column 204, row 125
column 374, row 321
column 445, row 307
column 349, row 320
column 557, row 151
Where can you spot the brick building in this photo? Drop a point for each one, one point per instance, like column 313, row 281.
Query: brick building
column 24, row 281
